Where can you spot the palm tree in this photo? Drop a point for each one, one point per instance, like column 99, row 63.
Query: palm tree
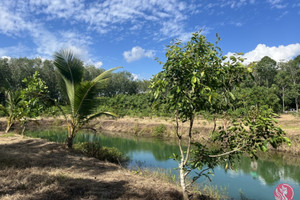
column 11, row 110
column 81, row 94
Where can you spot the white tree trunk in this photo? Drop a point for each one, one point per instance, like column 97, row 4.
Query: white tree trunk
column 182, row 179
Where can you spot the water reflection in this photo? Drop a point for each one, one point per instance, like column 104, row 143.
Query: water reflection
column 160, row 150
column 269, row 171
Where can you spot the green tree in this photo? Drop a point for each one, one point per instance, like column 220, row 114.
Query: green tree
column 265, row 71
column 293, row 68
column 81, row 94
column 196, row 78
column 121, row 83
column 91, row 72
column 283, row 82
column 26, row 103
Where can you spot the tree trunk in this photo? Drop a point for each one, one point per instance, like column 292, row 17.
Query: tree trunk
column 283, row 100
column 296, row 102
column 182, row 179
column 71, row 134
column 9, row 125
column 70, row 142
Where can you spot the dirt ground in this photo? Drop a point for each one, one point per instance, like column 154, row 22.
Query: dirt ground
column 36, row 169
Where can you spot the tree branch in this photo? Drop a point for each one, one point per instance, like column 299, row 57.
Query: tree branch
column 197, row 177
column 226, row 153
column 190, row 138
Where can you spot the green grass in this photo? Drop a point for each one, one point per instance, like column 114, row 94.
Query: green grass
column 94, row 149
column 159, row 130
column 7, row 135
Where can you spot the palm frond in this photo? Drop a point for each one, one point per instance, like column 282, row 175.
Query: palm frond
column 70, row 89
column 85, row 99
column 70, row 67
column 12, row 99
column 100, row 114
column 104, row 75
column 71, row 71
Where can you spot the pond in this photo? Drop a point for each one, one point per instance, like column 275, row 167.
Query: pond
column 256, row 180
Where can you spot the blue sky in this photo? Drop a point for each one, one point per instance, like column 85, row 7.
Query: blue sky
column 131, row 33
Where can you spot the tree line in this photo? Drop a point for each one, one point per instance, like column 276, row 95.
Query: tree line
column 272, row 84
column 15, row 70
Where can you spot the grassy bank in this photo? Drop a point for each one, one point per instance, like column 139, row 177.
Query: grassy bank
column 165, row 128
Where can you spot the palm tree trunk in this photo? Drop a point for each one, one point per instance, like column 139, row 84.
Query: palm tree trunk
column 71, row 134
column 70, row 142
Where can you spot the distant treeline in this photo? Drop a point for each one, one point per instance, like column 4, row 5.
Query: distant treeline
column 14, row 70
column 272, row 84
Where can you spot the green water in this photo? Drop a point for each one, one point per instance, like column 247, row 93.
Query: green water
column 256, row 180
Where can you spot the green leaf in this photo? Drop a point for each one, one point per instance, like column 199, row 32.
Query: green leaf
column 194, row 79
column 286, row 139
column 231, row 95
column 209, row 98
column 202, row 74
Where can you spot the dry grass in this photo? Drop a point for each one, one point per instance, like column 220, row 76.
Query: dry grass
column 146, row 127
column 37, row 169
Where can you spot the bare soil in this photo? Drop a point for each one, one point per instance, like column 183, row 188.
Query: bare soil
column 37, row 169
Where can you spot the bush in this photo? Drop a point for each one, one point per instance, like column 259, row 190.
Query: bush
column 94, row 149
column 159, row 130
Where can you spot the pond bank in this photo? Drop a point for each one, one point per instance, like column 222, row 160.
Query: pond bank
column 38, row 169
column 165, row 128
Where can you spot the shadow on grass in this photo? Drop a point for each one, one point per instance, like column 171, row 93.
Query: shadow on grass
column 36, row 169
column 38, row 153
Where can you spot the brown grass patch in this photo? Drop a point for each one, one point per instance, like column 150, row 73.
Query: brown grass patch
column 37, row 169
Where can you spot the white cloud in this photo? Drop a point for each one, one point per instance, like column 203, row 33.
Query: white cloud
column 184, row 37
column 276, row 4
column 98, row 64
column 280, row 53
column 57, row 8
column 135, row 76
column 107, row 15
column 238, row 24
column 19, row 18
column 137, row 53
column 12, row 23
column 13, row 51
column 6, row 57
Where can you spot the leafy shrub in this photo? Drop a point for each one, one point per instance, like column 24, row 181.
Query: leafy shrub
column 159, row 130
column 95, row 150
